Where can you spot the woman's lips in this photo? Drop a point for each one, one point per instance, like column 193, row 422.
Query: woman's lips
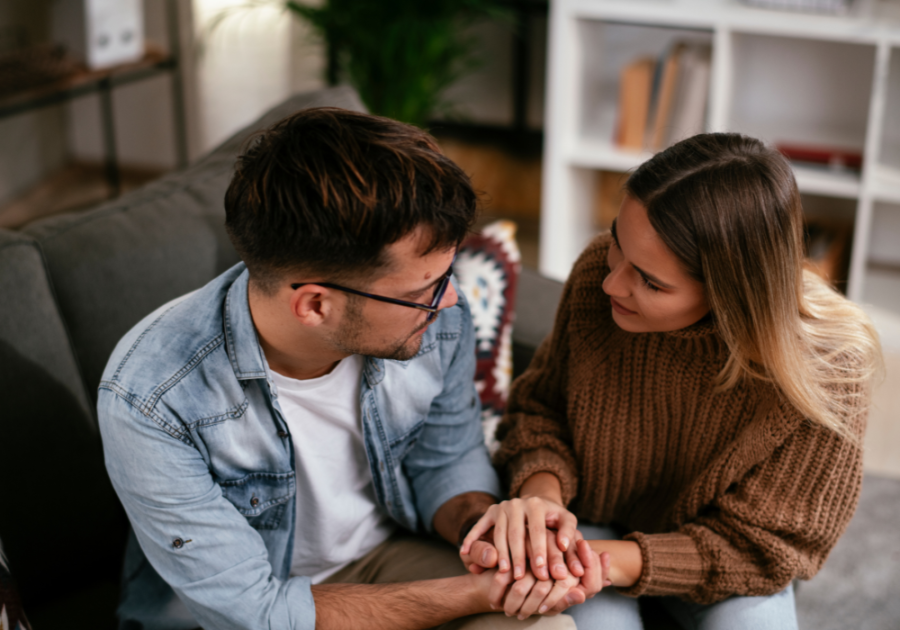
column 620, row 309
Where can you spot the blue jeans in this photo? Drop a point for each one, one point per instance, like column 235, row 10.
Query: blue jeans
column 611, row 610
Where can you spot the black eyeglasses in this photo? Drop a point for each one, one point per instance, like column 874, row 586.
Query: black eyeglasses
column 431, row 309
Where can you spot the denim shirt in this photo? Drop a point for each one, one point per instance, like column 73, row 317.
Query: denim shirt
column 201, row 457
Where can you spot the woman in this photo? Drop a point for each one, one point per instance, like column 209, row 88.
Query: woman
column 701, row 393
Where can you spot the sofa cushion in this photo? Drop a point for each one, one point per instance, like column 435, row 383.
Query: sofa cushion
column 115, row 264
column 57, row 502
column 487, row 268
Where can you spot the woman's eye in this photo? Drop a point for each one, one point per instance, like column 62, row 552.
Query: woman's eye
column 649, row 284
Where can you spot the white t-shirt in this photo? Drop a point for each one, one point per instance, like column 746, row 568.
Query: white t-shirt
column 338, row 519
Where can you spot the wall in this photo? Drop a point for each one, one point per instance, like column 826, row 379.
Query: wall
column 142, row 111
column 31, row 144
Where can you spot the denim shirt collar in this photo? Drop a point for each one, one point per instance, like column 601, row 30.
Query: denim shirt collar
column 244, row 351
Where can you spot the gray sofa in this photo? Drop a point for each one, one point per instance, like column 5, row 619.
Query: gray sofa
column 72, row 285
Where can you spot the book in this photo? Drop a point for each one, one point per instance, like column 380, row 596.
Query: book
column 656, row 132
column 688, row 116
column 635, row 82
column 834, row 157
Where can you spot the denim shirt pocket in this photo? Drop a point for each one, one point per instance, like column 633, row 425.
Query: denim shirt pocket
column 404, row 444
column 261, row 497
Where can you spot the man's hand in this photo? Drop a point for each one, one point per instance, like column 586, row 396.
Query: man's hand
column 482, row 554
column 528, row 595
column 456, row 517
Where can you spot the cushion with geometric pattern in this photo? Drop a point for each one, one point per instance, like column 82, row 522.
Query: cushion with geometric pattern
column 487, row 269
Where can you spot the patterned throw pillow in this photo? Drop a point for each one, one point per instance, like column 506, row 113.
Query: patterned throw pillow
column 487, row 269
column 12, row 617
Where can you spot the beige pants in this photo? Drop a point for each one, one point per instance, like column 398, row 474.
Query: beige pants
column 408, row 558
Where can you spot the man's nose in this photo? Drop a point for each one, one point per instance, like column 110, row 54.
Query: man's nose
column 451, row 297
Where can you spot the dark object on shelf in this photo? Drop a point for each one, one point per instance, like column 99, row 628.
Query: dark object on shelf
column 827, row 246
column 33, row 67
column 834, row 157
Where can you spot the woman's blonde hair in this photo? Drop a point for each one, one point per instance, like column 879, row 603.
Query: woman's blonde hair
column 729, row 208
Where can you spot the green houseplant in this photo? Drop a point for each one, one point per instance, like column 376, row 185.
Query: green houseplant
column 400, row 55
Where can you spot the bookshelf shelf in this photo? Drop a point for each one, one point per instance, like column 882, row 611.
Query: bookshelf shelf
column 886, row 187
column 605, row 156
column 824, row 181
column 824, row 82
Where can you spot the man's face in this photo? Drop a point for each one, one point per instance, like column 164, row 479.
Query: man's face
column 391, row 331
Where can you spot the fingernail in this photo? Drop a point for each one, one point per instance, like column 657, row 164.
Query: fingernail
column 484, row 556
column 539, row 561
column 518, row 572
column 542, row 609
column 493, row 607
column 564, row 542
column 504, row 565
column 577, row 565
column 570, row 599
column 559, row 568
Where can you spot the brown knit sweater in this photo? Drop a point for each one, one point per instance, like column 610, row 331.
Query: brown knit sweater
column 725, row 492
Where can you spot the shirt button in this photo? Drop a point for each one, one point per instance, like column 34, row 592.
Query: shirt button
column 178, row 543
column 254, row 502
column 282, row 434
column 381, row 466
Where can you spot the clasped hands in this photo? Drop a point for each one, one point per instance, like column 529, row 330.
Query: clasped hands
column 540, row 562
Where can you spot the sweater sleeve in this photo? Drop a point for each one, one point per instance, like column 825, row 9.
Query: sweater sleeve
column 534, row 434
column 778, row 522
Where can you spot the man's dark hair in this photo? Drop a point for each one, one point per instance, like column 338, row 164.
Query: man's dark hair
column 325, row 190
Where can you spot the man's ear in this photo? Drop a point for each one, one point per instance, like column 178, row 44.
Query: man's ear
column 313, row 305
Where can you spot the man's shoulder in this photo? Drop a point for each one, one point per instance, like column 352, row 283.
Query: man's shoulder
column 170, row 343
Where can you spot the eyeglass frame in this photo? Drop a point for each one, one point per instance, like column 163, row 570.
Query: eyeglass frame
column 431, row 309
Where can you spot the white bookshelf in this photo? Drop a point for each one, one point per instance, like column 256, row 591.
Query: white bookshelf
column 776, row 75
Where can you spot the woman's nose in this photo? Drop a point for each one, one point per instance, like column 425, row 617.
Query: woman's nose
column 615, row 283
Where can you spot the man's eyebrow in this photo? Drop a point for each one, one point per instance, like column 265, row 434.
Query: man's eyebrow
column 646, row 275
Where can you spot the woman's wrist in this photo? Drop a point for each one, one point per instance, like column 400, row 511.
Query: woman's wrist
column 626, row 560
column 542, row 484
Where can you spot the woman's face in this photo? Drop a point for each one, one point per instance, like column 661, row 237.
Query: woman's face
column 649, row 290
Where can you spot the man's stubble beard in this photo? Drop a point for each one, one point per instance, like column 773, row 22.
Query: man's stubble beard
column 351, row 338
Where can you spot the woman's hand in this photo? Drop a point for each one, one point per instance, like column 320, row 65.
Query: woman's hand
column 526, row 519
column 528, row 595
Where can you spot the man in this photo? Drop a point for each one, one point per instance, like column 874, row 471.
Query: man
column 276, row 435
